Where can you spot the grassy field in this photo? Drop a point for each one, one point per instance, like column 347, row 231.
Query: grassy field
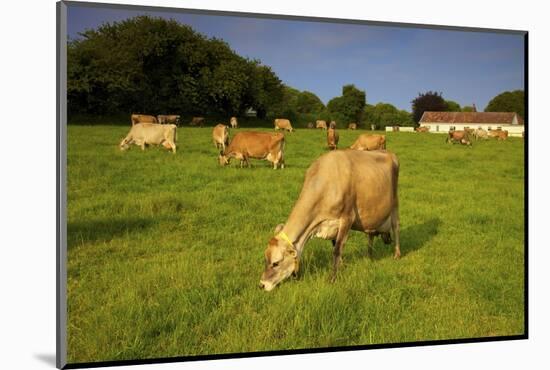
column 165, row 251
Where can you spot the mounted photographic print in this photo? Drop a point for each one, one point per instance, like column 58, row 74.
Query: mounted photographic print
column 237, row 185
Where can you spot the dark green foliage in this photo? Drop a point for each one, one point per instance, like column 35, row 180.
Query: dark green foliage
column 428, row 101
column 152, row 65
column 384, row 114
column 348, row 107
column 453, row 106
column 308, row 102
column 508, row 101
column 468, row 108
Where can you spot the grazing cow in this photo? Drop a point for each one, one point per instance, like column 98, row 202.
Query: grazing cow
column 233, row 122
column 197, row 121
column 369, row 142
column 310, row 125
column 499, row 134
column 480, row 134
column 220, row 136
column 151, row 133
column 332, row 124
column 163, row 119
column 283, row 124
column 332, row 138
column 142, row 118
column 422, row 129
column 459, row 136
column 352, row 126
column 343, row 190
column 259, row 145
column 321, row 124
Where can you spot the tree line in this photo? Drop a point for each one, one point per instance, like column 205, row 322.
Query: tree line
column 156, row 66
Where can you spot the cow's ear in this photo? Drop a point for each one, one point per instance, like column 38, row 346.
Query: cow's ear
column 278, row 228
column 292, row 252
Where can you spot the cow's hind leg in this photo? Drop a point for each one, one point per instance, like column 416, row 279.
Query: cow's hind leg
column 341, row 238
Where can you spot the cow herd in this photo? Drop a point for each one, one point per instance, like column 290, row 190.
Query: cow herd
column 343, row 190
column 466, row 136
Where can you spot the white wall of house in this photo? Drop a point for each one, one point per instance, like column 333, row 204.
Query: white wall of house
column 401, row 129
column 443, row 128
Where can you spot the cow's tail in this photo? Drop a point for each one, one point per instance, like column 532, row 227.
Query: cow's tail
column 283, row 144
column 395, row 176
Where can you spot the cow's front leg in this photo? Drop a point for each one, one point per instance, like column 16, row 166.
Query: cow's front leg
column 370, row 244
column 341, row 238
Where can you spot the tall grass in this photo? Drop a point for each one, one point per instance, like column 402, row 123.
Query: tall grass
column 165, row 251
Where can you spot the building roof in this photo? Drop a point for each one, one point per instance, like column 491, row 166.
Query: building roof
column 471, row 117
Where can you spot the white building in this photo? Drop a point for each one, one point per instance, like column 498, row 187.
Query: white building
column 442, row 122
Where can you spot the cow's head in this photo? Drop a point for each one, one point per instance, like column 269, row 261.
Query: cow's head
column 281, row 261
column 125, row 144
column 223, row 160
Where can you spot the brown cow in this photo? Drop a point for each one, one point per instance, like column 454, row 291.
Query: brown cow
column 459, row 136
column 332, row 124
column 310, row 125
column 343, row 190
column 321, row 124
column 283, row 124
column 480, row 134
column 422, row 129
column 197, row 121
column 499, row 134
column 233, row 122
column 142, row 118
column 352, row 126
column 220, row 136
column 332, row 138
column 165, row 118
column 369, row 142
column 259, row 145
column 151, row 133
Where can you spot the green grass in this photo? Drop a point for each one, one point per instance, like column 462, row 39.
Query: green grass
column 165, row 251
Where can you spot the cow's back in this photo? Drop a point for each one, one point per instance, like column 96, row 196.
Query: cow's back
column 254, row 143
column 365, row 181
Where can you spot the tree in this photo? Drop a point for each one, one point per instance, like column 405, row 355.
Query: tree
column 468, row 108
column 508, row 101
column 348, row 107
column 152, row 65
column 384, row 114
column 308, row 102
column 429, row 101
column 452, row 106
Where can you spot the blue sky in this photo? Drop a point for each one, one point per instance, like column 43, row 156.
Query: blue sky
column 392, row 64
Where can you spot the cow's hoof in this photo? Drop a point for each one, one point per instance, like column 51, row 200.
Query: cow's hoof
column 397, row 256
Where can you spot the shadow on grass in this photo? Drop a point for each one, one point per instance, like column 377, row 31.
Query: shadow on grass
column 104, row 230
column 412, row 238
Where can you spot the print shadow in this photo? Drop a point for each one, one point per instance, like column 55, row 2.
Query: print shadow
column 46, row 358
column 85, row 232
column 412, row 238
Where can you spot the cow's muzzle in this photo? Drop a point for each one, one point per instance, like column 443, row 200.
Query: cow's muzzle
column 266, row 285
